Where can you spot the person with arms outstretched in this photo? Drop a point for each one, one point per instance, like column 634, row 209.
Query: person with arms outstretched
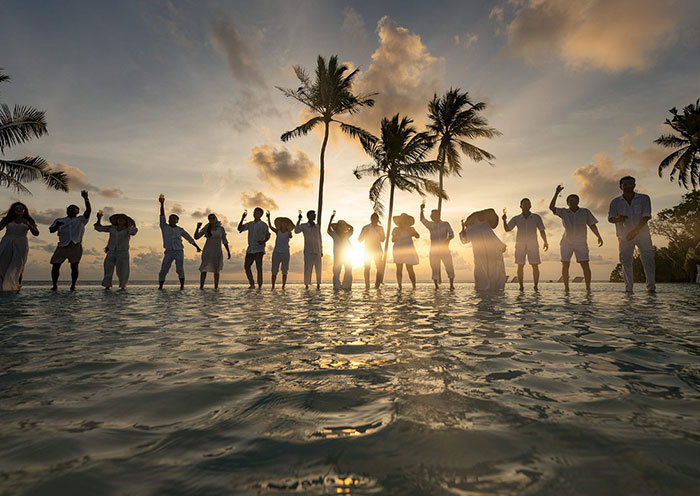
column 440, row 236
column 121, row 229
column 526, row 244
column 373, row 235
column 172, row 243
column 280, row 254
column 212, row 254
column 631, row 212
column 313, row 252
column 70, row 241
column 258, row 235
column 576, row 222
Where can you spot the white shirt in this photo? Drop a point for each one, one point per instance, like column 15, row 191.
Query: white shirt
column 72, row 229
column 257, row 231
column 639, row 207
column 172, row 236
column 440, row 232
column 312, row 237
column 527, row 228
column 118, row 240
column 282, row 242
column 576, row 223
column 373, row 237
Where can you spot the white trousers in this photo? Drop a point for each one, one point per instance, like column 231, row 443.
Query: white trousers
column 347, row 277
column 116, row 260
column 646, row 252
column 441, row 255
column 178, row 256
column 312, row 261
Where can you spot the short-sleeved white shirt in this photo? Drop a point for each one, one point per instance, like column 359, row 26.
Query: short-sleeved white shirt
column 639, row 207
column 312, row 237
column 257, row 231
column 576, row 223
column 527, row 227
column 72, row 229
column 118, row 240
column 172, row 236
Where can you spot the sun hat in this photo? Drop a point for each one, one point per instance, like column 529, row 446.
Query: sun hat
column 129, row 220
column 341, row 225
column 284, row 224
column 404, row 220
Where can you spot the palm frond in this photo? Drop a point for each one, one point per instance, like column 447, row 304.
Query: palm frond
column 302, row 130
column 20, row 125
column 670, row 141
column 375, row 194
column 366, row 139
column 474, row 152
column 7, row 181
column 30, row 169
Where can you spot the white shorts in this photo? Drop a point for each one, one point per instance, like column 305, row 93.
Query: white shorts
column 531, row 251
column 568, row 249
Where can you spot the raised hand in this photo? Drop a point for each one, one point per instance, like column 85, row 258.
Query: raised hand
column 161, row 199
column 84, row 194
column 560, row 188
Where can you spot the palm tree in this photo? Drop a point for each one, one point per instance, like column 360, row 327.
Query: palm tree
column 686, row 159
column 453, row 119
column 398, row 160
column 19, row 126
column 328, row 95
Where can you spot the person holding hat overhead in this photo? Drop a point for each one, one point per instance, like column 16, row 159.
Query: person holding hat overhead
column 71, row 229
column 489, row 267
column 340, row 232
column 440, row 236
column 280, row 254
column 120, row 230
column 403, row 250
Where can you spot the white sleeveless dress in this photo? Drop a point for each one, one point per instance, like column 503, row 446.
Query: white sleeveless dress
column 14, row 249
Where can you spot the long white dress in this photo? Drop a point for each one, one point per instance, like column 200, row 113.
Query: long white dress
column 489, row 268
column 14, row 249
column 403, row 250
column 212, row 254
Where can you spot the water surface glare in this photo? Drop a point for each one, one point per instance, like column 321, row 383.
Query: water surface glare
column 377, row 392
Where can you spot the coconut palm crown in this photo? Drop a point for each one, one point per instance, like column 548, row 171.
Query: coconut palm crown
column 685, row 160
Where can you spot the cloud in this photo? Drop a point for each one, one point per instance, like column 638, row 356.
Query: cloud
column 247, row 108
column 466, row 40
column 177, row 209
column 258, row 199
column 496, row 14
column 77, row 179
column 353, row 27
column 599, row 182
column 48, row 216
column 240, row 57
column 279, row 167
column 648, row 158
column 404, row 74
column 602, row 34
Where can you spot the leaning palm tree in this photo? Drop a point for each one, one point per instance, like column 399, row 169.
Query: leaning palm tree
column 452, row 120
column 17, row 126
column 686, row 159
column 398, row 159
column 328, row 95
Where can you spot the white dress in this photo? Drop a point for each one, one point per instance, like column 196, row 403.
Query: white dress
column 14, row 249
column 212, row 254
column 489, row 268
column 403, row 250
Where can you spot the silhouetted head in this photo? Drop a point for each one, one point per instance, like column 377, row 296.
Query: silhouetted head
column 342, row 229
column 213, row 223
column 72, row 210
column 173, row 220
column 212, row 219
column 572, row 201
column 258, row 213
column 525, row 205
column 311, row 215
column 627, row 184
column 435, row 215
column 17, row 210
column 121, row 221
column 374, row 219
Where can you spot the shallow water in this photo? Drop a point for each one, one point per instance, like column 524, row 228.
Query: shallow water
column 307, row 392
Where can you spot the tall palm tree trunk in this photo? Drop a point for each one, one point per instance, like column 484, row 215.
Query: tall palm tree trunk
column 388, row 230
column 322, row 175
column 442, row 171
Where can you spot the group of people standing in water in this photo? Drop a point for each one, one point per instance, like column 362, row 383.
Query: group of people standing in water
column 630, row 212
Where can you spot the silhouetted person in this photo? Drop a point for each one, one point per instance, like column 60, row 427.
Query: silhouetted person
column 403, row 250
column 70, row 241
column 373, row 235
column 526, row 245
column 340, row 232
column 489, row 268
column 212, row 254
column 440, row 236
column 14, row 247
column 258, row 235
column 630, row 213
column 576, row 221
column 172, row 243
column 121, row 229
column 313, row 254
column 280, row 254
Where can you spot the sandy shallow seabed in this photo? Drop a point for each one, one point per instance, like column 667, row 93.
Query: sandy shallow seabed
column 308, row 392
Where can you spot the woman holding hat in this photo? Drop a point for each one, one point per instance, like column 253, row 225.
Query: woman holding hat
column 120, row 230
column 340, row 232
column 403, row 249
column 280, row 255
column 489, row 268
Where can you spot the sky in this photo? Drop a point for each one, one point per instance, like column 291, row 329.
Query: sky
column 181, row 98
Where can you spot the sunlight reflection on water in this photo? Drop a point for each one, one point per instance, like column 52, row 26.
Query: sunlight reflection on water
column 237, row 392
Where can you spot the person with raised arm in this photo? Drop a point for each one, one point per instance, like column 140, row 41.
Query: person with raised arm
column 440, row 236
column 258, row 235
column 373, row 236
column 280, row 254
column 489, row 268
column 576, row 222
column 212, row 254
column 14, row 246
column 71, row 229
column 526, row 244
column 340, row 233
column 172, row 243
column 121, row 229
column 630, row 212
column 403, row 250
column 313, row 252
